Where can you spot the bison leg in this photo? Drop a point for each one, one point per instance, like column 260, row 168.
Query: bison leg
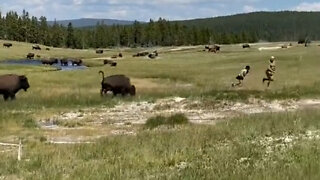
column 12, row 96
column 102, row 91
column 5, row 97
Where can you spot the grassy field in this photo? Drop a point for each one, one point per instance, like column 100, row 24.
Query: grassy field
column 263, row 146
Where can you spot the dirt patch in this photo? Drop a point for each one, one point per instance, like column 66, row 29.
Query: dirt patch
column 123, row 118
column 269, row 48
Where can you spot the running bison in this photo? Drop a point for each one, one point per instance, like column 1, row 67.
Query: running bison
column 8, row 45
column 117, row 84
column 36, row 47
column 30, row 55
column 10, row 84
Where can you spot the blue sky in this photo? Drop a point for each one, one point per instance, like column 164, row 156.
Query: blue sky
column 143, row 10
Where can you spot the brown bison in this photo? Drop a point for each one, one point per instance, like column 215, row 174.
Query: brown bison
column 10, row 84
column 120, row 55
column 64, row 62
column 114, row 56
column 112, row 63
column 47, row 49
column 36, row 47
column 30, row 55
column 99, row 51
column 8, row 45
column 152, row 56
column 214, row 49
column 77, row 62
column 117, row 84
column 141, row 54
column 245, row 46
column 51, row 61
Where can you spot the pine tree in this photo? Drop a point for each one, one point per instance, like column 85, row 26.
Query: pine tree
column 70, row 39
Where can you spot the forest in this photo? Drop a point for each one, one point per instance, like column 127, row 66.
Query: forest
column 241, row 28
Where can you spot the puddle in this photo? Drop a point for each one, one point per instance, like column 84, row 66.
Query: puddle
column 39, row 63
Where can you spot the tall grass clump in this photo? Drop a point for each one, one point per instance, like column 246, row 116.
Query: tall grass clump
column 176, row 119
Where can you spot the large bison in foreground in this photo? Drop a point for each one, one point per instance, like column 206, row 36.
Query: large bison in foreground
column 10, row 84
column 117, row 84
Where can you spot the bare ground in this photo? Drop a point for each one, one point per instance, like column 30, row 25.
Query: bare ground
column 89, row 124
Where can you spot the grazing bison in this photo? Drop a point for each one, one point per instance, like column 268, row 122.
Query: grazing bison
column 51, row 61
column 47, row 49
column 30, row 55
column 245, row 46
column 8, row 45
column 36, row 47
column 10, row 84
column 141, row 54
column 77, row 62
column 120, row 55
column 117, row 84
column 114, row 56
column 112, row 63
column 99, row 51
column 64, row 62
column 152, row 56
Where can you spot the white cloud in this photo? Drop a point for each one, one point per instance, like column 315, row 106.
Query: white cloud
column 308, row 7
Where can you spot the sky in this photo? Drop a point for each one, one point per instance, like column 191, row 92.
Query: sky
column 144, row 10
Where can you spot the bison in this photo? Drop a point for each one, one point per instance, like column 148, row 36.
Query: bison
column 10, row 84
column 30, row 55
column 51, row 61
column 99, row 51
column 64, row 62
column 112, row 63
column 214, row 49
column 36, row 47
column 47, row 49
column 117, row 84
column 8, row 45
column 245, row 46
column 141, row 54
column 77, row 62
column 120, row 55
column 114, row 56
column 152, row 56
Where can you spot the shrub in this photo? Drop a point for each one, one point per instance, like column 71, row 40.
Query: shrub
column 172, row 120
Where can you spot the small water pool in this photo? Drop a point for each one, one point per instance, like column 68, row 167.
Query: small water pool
column 33, row 62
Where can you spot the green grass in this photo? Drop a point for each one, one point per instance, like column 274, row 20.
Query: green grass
column 229, row 150
column 224, row 151
column 176, row 119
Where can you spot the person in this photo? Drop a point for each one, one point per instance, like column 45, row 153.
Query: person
column 270, row 71
column 241, row 76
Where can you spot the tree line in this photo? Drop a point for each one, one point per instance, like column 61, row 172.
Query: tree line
column 26, row 28
column 243, row 28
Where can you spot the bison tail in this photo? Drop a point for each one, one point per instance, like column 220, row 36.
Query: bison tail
column 101, row 72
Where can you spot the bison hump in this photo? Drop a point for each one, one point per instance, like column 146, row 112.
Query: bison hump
column 117, row 80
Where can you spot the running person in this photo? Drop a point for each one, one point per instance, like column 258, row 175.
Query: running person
column 241, row 76
column 270, row 71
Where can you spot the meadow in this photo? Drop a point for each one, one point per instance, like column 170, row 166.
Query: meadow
column 282, row 145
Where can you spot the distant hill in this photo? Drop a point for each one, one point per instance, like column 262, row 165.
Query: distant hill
column 88, row 22
column 271, row 26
